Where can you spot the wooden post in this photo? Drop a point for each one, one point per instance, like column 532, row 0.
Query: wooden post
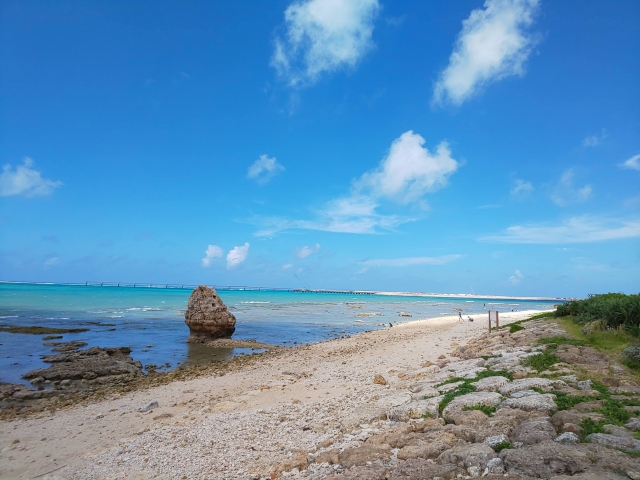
column 489, row 321
column 497, row 321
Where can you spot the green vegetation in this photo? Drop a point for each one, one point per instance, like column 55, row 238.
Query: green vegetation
column 590, row 426
column 616, row 310
column 541, row 361
column 565, row 401
column 514, row 327
column 558, row 340
column 538, row 316
column 486, row 409
column 466, row 386
column 502, row 445
column 40, row 330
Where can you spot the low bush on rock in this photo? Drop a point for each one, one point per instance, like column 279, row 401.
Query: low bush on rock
column 541, row 361
column 502, row 446
column 486, row 409
column 514, row 327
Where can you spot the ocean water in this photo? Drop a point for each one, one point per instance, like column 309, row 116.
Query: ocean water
column 151, row 320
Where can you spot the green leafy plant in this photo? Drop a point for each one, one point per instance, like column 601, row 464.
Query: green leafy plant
column 514, row 327
column 541, row 361
column 502, row 446
column 590, row 426
column 486, row 409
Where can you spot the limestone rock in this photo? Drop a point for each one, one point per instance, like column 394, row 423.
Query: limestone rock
column 474, row 455
column 568, row 438
column 534, row 431
column 489, row 399
column 528, row 384
column 538, row 402
column 613, row 441
column 379, row 380
column 207, row 316
column 490, row 384
column 494, row 466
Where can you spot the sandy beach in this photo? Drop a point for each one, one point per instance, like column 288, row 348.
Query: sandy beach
column 237, row 425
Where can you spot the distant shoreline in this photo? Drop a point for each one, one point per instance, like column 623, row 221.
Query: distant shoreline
column 297, row 290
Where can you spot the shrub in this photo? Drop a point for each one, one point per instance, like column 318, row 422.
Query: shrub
column 513, row 328
column 502, row 446
column 541, row 361
column 614, row 309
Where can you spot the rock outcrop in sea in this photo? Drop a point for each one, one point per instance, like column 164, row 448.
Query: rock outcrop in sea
column 207, row 316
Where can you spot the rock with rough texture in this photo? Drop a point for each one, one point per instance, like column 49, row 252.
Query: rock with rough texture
column 90, row 364
column 613, row 441
column 207, row 316
column 419, row 468
column 490, row 384
column 545, row 460
column 472, row 418
column 568, row 438
column 528, row 384
column 534, row 431
column 633, row 424
column 489, row 399
column 494, row 466
column 367, row 453
column 494, row 440
column 538, row 403
column 474, row 455
column 379, row 380
column 429, row 450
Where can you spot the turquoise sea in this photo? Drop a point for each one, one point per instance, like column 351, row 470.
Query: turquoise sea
column 151, row 320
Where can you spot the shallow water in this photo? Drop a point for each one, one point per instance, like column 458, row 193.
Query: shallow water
column 151, row 320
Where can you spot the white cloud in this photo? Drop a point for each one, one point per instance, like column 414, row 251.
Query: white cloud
column 633, row 202
column 594, row 140
column 516, row 278
column 405, row 175
column 237, row 255
column 26, row 181
column 323, row 36
column 52, row 261
column 264, row 169
column 564, row 192
column 584, row 229
column 362, row 271
column 287, row 266
column 521, row 189
column 633, row 163
column 211, row 253
column 304, row 252
column 408, row 261
column 492, row 45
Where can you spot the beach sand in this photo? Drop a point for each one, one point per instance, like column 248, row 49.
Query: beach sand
column 237, row 425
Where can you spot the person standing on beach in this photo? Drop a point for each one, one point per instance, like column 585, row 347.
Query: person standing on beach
column 459, row 317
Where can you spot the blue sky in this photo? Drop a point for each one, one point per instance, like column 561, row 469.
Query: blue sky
column 363, row 144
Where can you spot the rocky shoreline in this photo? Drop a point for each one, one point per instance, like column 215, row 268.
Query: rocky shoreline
column 428, row 400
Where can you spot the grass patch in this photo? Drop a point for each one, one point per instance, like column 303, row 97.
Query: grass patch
column 590, row 426
column 538, row 316
column 553, row 342
column 615, row 412
column 40, row 330
column 565, row 401
column 502, row 446
column 541, row 361
column 514, row 327
column 466, row 386
column 486, row 409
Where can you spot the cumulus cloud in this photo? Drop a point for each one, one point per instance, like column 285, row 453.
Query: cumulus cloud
column 516, row 278
column 304, row 252
column 521, row 189
column 287, row 266
column 237, row 255
column 25, row 181
column 322, row 36
column 493, row 44
column 632, row 164
column 408, row 261
column 564, row 192
column 264, row 169
column 405, row 175
column 211, row 253
column 584, row 229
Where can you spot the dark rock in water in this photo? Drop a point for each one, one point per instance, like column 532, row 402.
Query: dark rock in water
column 207, row 317
column 90, row 364
column 66, row 346
column 52, row 337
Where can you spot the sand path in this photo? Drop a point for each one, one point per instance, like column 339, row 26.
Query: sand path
column 325, row 381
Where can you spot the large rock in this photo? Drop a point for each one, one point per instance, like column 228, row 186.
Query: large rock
column 534, row 431
column 614, row 441
column 474, row 455
column 489, row 399
column 89, row 364
column 207, row 317
column 529, row 383
column 532, row 403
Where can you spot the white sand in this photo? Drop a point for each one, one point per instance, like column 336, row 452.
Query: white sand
column 217, row 418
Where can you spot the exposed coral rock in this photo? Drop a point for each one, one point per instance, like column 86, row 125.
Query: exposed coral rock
column 207, row 316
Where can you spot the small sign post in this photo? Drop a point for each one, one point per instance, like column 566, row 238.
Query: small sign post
column 493, row 316
column 497, row 321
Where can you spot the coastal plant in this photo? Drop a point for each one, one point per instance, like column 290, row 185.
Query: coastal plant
column 565, row 401
column 614, row 411
column 463, row 389
column 614, row 309
column 541, row 361
column 514, row 327
column 502, row 446
column 466, row 387
column 590, row 426
column 488, row 410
